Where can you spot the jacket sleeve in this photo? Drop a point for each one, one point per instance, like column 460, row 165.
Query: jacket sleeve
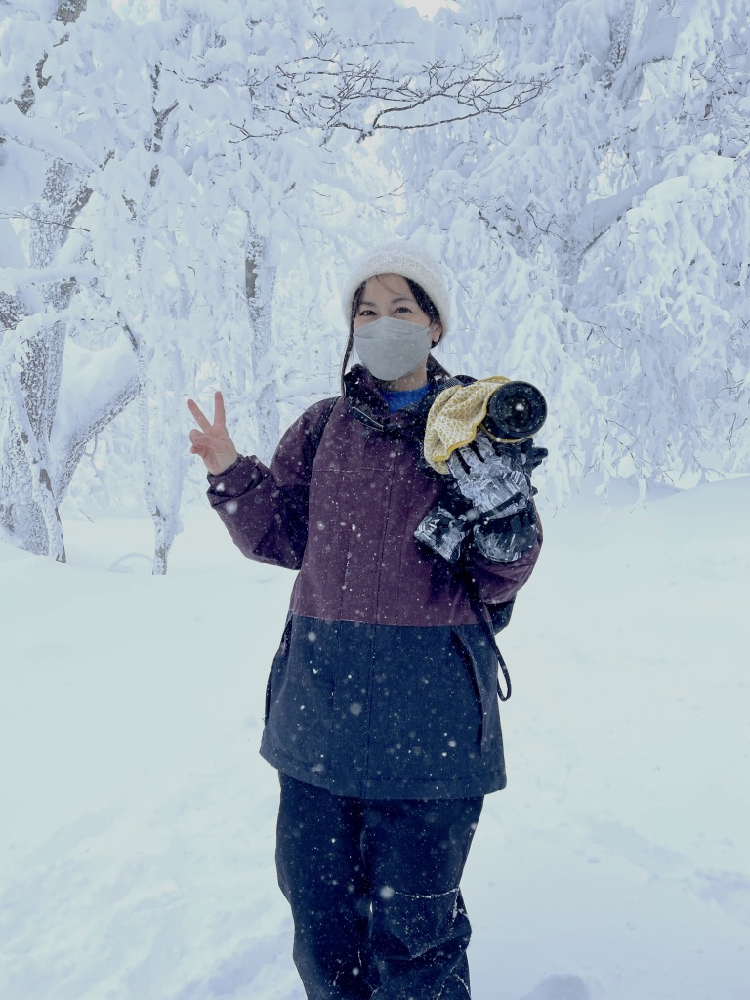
column 499, row 582
column 265, row 509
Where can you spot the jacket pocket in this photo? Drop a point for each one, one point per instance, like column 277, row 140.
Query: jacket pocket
column 278, row 659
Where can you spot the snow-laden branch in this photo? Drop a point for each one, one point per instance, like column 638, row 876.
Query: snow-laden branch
column 599, row 215
column 39, row 136
column 13, row 279
column 96, row 386
column 657, row 43
column 12, row 346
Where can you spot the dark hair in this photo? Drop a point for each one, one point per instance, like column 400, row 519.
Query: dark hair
column 422, row 299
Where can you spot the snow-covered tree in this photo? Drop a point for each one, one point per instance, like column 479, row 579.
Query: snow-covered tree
column 601, row 231
column 179, row 178
column 167, row 222
column 56, row 394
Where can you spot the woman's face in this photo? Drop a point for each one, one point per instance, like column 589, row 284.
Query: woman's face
column 390, row 295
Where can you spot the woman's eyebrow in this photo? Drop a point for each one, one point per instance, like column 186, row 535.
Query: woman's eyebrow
column 399, row 298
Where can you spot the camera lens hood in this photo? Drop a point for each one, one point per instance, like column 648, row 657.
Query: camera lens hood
column 515, row 411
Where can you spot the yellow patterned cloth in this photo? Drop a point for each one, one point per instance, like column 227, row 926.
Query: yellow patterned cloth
column 454, row 418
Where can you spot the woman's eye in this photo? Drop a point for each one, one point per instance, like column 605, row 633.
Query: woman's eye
column 365, row 312
column 404, row 309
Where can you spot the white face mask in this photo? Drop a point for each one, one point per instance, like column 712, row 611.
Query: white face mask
column 390, row 347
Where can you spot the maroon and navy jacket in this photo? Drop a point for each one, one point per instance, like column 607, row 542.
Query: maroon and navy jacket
column 384, row 684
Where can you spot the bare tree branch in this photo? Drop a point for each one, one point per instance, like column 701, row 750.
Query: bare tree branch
column 43, row 222
column 323, row 91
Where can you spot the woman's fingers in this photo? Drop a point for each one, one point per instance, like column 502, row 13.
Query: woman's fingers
column 220, row 416
column 212, row 442
column 199, row 416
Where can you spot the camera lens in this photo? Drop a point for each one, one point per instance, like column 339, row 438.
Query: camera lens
column 515, row 411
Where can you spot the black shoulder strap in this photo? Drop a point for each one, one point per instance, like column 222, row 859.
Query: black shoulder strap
column 482, row 611
column 321, row 425
column 453, row 380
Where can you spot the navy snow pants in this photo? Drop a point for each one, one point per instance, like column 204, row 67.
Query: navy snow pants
column 374, row 889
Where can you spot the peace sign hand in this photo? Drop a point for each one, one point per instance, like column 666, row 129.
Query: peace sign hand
column 212, row 442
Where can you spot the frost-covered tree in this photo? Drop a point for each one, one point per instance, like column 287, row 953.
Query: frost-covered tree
column 167, row 222
column 601, row 231
column 57, row 394
column 580, row 166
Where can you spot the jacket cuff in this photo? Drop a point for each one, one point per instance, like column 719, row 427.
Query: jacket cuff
column 241, row 477
column 218, row 475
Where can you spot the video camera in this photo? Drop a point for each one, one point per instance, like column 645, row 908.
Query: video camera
column 488, row 496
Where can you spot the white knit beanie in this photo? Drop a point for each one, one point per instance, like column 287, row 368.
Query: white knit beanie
column 410, row 262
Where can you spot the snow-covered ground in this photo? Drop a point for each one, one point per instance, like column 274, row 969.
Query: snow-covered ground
column 136, row 840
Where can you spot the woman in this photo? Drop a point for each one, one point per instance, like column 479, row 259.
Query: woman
column 381, row 712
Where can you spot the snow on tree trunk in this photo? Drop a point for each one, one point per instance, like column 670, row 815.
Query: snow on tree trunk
column 63, row 197
column 259, row 286
column 163, row 466
column 48, row 536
